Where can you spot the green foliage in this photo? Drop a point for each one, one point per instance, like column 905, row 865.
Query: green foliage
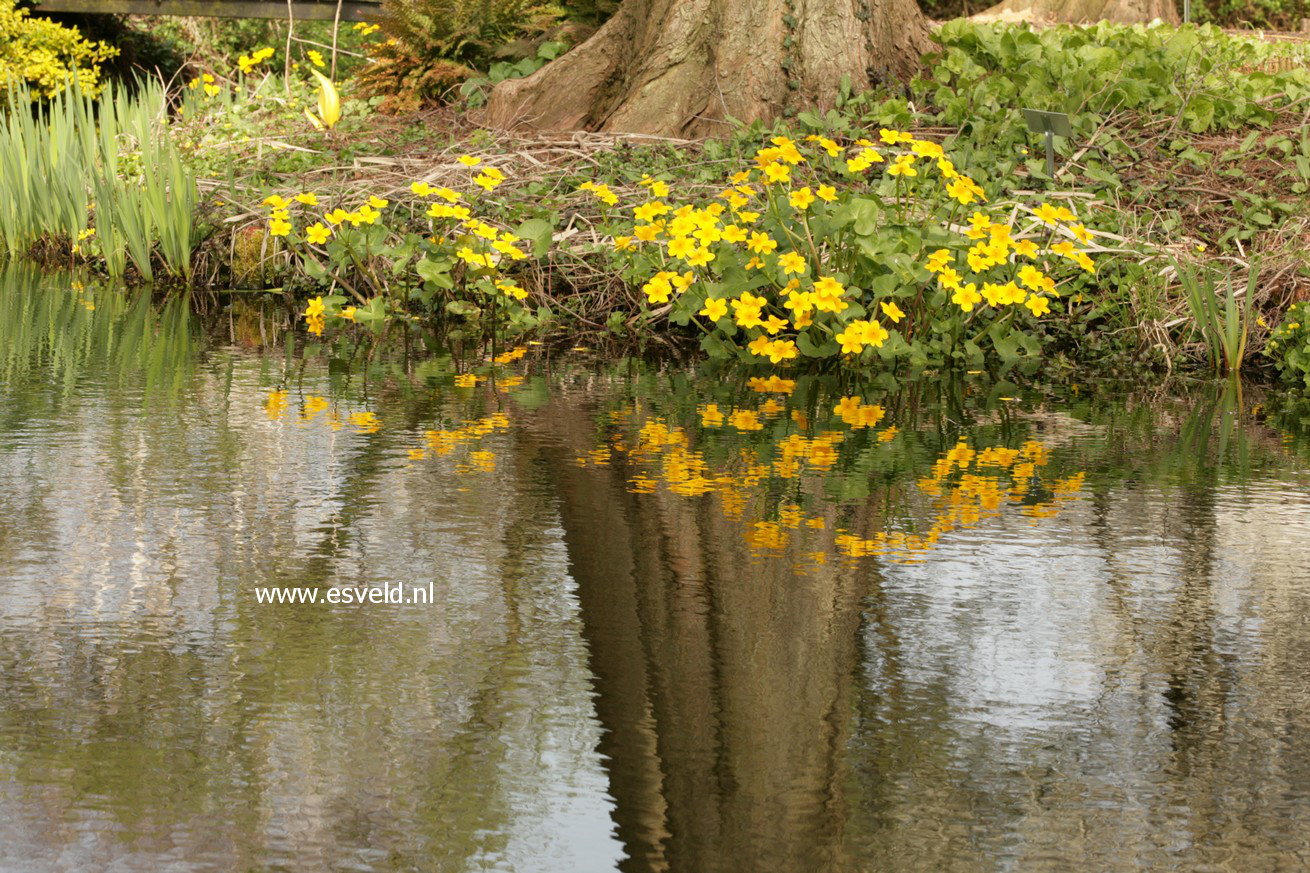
column 1289, row 345
column 113, row 159
column 435, row 45
column 476, row 90
column 1219, row 313
column 1265, row 14
column 591, row 12
column 1201, row 77
column 44, row 57
column 1149, row 106
column 465, row 31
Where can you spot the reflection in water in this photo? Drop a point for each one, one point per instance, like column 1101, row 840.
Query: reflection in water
column 683, row 621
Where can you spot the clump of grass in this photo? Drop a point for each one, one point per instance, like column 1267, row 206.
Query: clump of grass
column 1220, row 313
column 104, row 172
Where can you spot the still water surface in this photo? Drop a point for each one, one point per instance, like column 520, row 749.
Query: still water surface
column 681, row 622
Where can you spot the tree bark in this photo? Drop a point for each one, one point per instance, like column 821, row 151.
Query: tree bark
column 1081, row 11
column 685, row 67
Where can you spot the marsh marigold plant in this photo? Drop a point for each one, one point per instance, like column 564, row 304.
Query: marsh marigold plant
column 462, row 265
column 868, row 251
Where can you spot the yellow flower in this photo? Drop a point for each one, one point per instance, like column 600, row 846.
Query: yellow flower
column 378, row 202
column 892, row 311
column 714, row 309
column 782, row 350
column 903, row 166
column 792, row 263
column 949, row 278
column 926, row 149
column 734, row 234
column 658, row 289
column 1047, row 213
column 314, row 315
column 962, row 190
column 851, row 342
column 279, row 227
column 682, row 247
column 700, row 257
column 1037, row 305
column 315, row 57
column 317, row 233
column 802, row 199
column 647, row 212
column 761, row 243
column 966, row 297
column 348, row 313
column 827, row 295
column 776, row 172
column 938, row 260
column 307, row 199
column 827, row 193
column 469, row 160
column 1026, row 247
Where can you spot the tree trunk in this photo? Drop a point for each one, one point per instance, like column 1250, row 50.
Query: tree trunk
column 1081, row 11
column 683, row 67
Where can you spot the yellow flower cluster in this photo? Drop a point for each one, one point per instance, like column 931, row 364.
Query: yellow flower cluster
column 248, row 63
column 314, row 316
column 209, row 83
column 779, row 219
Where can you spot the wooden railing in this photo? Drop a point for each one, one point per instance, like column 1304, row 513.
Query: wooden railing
column 299, row 10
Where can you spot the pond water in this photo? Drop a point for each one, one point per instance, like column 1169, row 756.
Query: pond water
column 679, row 620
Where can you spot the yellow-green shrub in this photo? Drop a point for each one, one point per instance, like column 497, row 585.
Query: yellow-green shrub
column 46, row 55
